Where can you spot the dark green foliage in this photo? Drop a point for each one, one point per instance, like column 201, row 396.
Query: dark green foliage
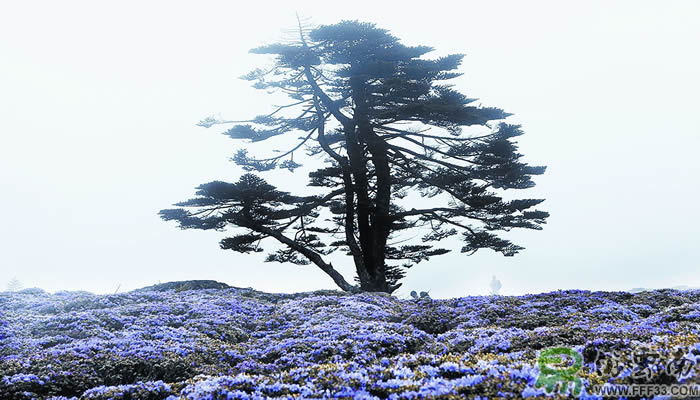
column 387, row 125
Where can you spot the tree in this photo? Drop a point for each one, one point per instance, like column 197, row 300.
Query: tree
column 14, row 285
column 387, row 126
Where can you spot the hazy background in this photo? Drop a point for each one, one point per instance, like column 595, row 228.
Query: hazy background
column 99, row 100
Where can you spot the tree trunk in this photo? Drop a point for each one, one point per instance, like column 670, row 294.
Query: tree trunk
column 378, row 223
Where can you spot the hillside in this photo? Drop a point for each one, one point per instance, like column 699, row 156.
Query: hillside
column 202, row 341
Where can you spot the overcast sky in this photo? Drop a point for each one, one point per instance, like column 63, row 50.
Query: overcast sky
column 99, row 100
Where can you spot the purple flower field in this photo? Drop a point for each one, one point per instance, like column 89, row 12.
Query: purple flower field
column 233, row 343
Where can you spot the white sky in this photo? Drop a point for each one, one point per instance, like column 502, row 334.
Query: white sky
column 99, row 100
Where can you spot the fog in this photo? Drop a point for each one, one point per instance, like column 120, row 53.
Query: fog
column 99, row 101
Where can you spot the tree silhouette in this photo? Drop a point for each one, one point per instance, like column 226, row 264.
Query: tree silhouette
column 387, row 126
column 14, row 285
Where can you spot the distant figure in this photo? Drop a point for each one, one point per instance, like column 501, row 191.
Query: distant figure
column 414, row 294
column 424, row 295
column 495, row 285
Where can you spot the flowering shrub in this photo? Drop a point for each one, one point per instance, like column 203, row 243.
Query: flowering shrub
column 140, row 390
column 231, row 343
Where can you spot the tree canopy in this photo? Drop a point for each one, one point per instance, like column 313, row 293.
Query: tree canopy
column 387, row 126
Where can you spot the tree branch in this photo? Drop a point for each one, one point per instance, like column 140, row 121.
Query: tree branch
column 306, row 252
column 420, row 212
column 453, row 167
column 401, row 132
column 349, row 199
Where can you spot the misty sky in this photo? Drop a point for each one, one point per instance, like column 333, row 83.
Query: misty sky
column 99, row 100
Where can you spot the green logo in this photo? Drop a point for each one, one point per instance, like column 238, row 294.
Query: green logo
column 559, row 365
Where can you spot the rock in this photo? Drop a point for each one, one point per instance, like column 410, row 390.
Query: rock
column 185, row 285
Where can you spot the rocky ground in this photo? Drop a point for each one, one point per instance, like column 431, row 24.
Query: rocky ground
column 205, row 340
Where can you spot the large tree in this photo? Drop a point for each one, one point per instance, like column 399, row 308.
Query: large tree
column 388, row 127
